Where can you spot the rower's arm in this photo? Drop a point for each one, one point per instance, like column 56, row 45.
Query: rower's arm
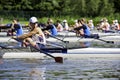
column 78, row 28
column 28, row 34
column 47, row 28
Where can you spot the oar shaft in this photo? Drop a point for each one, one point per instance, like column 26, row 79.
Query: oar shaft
column 105, row 41
column 56, row 38
column 101, row 40
column 43, row 52
column 57, row 59
column 37, row 49
column 59, row 39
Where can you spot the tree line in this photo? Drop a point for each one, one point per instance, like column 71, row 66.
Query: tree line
column 84, row 8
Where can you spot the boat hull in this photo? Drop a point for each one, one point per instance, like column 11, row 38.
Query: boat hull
column 73, row 53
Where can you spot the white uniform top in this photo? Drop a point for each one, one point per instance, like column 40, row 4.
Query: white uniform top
column 39, row 39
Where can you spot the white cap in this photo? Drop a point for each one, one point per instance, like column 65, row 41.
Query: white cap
column 116, row 21
column 64, row 20
column 76, row 21
column 90, row 21
column 33, row 20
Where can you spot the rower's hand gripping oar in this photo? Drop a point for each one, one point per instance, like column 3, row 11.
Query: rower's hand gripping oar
column 106, row 41
column 59, row 39
column 57, row 59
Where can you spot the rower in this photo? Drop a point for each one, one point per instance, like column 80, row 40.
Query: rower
column 34, row 37
column 50, row 28
column 86, row 33
column 16, row 28
column 65, row 25
column 105, row 26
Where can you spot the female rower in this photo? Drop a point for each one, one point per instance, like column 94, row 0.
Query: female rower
column 16, row 28
column 105, row 26
column 50, row 28
column 65, row 25
column 35, row 36
column 86, row 30
column 59, row 26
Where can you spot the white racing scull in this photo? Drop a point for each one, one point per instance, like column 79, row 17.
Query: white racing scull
column 73, row 53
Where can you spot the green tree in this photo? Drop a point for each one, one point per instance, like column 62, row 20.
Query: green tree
column 78, row 7
column 105, row 8
column 117, row 5
column 26, row 5
column 92, row 7
column 7, row 4
column 83, row 8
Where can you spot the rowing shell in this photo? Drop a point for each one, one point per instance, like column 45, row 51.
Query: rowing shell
column 75, row 39
column 73, row 34
column 71, row 39
column 73, row 53
column 70, row 34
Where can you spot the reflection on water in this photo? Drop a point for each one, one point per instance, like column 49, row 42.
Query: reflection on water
column 17, row 69
column 71, row 69
column 81, row 69
column 1, row 60
column 105, row 45
column 93, row 44
column 85, row 69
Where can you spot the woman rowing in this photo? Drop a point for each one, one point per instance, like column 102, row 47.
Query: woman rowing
column 105, row 26
column 76, row 25
column 34, row 37
column 86, row 33
column 16, row 28
column 50, row 28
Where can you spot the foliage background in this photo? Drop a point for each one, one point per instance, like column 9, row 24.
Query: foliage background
column 60, row 9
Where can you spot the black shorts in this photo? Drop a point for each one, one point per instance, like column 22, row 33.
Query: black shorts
column 96, row 36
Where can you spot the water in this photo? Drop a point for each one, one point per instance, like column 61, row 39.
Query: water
column 22, row 69
column 72, row 69
column 85, row 69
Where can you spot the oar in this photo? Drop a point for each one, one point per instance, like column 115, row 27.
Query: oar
column 57, row 59
column 105, row 41
column 59, row 39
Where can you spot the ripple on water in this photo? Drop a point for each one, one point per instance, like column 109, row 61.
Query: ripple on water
column 85, row 69
column 25, row 69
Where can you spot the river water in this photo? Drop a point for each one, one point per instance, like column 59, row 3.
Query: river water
column 72, row 69
column 95, row 68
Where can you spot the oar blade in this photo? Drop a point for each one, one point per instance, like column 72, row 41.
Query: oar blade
column 58, row 59
column 66, row 41
column 106, row 41
column 110, row 42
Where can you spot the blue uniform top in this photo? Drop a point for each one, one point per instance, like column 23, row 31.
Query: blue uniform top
column 18, row 29
column 86, row 30
column 53, row 30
